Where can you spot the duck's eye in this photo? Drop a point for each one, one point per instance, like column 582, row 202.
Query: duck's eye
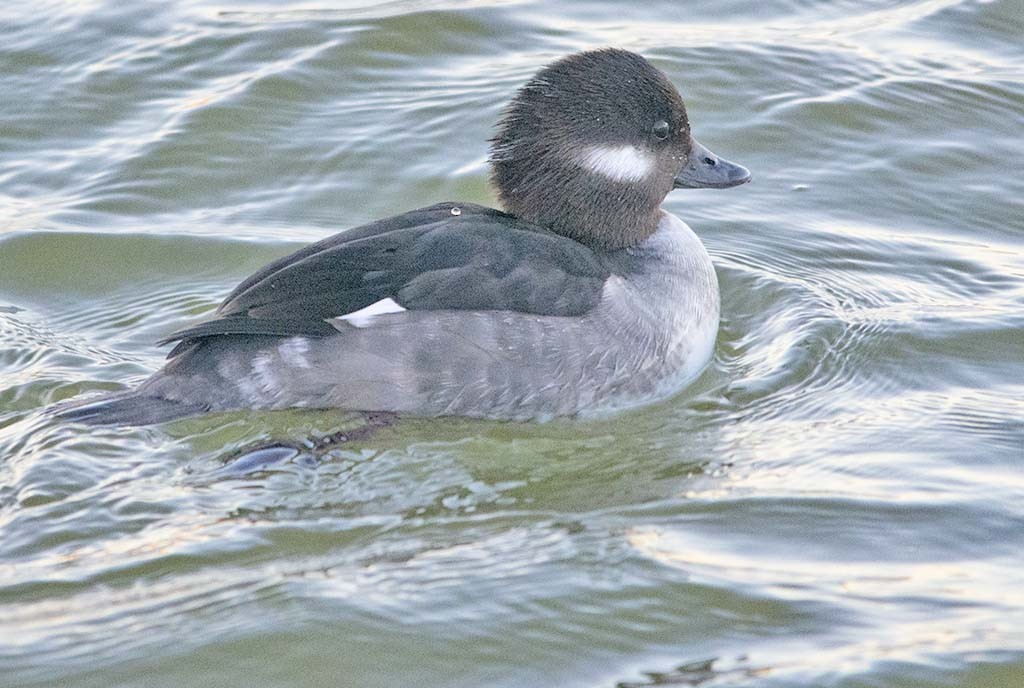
column 660, row 129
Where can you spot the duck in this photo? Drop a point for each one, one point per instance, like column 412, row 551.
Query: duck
column 581, row 296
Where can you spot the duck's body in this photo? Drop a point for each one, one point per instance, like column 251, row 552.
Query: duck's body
column 462, row 310
column 651, row 330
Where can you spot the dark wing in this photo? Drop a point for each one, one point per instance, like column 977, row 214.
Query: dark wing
column 426, row 259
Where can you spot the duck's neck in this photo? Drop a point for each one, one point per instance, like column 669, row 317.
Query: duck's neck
column 607, row 217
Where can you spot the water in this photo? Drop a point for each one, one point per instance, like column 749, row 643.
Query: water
column 838, row 501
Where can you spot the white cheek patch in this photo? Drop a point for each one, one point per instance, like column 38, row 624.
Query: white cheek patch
column 620, row 163
column 364, row 316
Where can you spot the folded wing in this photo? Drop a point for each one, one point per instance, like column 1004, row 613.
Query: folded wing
column 445, row 257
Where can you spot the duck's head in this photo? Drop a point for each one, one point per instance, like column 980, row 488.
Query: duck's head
column 593, row 143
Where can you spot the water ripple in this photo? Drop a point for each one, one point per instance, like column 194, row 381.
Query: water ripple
column 836, row 500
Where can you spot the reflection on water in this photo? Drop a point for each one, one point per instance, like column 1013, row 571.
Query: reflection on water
column 836, row 501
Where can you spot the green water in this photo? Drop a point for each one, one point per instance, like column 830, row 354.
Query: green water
column 838, row 501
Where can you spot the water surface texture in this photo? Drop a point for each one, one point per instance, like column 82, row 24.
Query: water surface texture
column 838, row 501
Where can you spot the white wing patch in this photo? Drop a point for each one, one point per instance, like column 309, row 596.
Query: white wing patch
column 620, row 163
column 364, row 316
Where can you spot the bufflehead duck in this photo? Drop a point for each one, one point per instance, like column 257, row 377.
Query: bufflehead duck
column 583, row 296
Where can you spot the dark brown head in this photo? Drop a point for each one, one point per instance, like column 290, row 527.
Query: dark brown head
column 593, row 143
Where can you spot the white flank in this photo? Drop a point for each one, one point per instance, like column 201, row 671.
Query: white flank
column 364, row 316
column 265, row 376
column 620, row 163
column 293, row 352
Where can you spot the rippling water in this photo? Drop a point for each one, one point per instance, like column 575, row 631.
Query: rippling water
column 838, row 501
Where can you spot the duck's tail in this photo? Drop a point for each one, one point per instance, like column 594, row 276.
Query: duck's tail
column 123, row 408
